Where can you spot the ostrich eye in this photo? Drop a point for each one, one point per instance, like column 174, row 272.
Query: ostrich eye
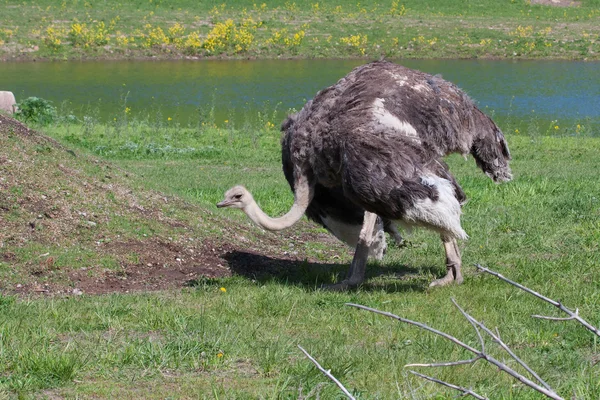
column 237, row 196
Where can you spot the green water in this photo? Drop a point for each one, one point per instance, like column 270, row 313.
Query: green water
column 236, row 91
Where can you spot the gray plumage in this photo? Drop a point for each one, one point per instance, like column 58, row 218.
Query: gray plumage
column 367, row 149
column 434, row 115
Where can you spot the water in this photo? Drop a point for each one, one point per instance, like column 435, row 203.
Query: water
column 551, row 90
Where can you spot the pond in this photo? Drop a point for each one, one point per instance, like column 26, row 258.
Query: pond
column 237, row 90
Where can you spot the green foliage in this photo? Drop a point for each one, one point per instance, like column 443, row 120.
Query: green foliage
column 36, row 110
column 241, row 28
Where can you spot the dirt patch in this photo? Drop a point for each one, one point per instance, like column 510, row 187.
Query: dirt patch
column 153, row 265
column 557, row 3
column 73, row 224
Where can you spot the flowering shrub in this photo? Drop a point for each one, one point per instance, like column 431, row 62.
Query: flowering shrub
column 357, row 42
column 192, row 43
column 284, row 40
column 219, row 37
column 526, row 40
column 81, row 35
column 53, row 36
column 397, row 10
column 123, row 40
column 154, row 37
column 176, row 33
column 226, row 36
column 5, row 35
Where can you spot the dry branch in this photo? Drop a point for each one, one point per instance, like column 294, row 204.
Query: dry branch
column 572, row 314
column 464, row 391
column 478, row 353
column 496, row 338
column 327, row 373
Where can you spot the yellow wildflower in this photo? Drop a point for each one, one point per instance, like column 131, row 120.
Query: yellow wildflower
column 222, row 289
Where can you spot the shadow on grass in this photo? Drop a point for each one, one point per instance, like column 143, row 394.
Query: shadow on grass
column 264, row 269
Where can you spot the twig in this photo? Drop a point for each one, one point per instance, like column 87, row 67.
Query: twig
column 327, row 373
column 474, row 323
column 503, row 367
column 572, row 314
column 447, row 364
column 553, row 318
column 464, row 391
column 496, row 338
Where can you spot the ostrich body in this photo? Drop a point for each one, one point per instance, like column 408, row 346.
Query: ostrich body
column 358, row 143
column 435, row 114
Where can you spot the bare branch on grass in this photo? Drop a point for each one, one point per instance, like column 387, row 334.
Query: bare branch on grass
column 478, row 353
column 446, row 364
column 572, row 314
column 327, row 373
column 496, row 338
column 463, row 390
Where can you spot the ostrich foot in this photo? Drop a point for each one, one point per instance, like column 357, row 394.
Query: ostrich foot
column 454, row 276
column 453, row 263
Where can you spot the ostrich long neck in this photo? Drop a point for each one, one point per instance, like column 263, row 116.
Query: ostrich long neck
column 302, row 197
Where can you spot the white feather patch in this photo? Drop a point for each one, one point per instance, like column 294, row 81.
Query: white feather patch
column 386, row 118
column 442, row 214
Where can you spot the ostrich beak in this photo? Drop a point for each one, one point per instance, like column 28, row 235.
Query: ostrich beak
column 223, row 203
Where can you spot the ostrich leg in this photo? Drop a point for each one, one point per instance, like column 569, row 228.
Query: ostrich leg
column 358, row 266
column 391, row 228
column 453, row 263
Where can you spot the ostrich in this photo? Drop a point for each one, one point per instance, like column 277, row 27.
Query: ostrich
column 345, row 141
column 433, row 112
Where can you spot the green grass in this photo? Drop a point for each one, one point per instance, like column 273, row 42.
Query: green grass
column 542, row 229
column 398, row 29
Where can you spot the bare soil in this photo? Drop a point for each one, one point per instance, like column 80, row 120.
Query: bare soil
column 51, row 204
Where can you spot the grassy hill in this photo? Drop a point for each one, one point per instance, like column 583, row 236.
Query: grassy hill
column 71, row 221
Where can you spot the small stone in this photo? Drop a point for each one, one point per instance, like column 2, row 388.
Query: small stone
column 77, row 292
column 19, row 286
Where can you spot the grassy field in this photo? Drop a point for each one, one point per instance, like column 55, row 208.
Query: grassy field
column 74, row 29
column 235, row 337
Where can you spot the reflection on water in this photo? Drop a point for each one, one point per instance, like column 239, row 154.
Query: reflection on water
column 552, row 90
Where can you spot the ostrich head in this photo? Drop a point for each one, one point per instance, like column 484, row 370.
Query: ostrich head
column 490, row 150
column 236, row 197
column 240, row 197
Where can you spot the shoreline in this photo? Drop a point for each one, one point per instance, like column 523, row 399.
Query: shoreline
column 180, row 57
